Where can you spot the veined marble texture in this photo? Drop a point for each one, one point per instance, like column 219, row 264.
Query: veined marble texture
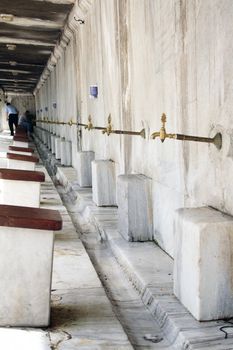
column 150, row 271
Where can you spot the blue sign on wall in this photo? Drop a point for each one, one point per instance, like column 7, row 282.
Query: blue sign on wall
column 93, row 91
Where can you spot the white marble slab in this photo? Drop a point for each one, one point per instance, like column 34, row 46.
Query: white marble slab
column 20, row 164
column 203, row 272
column 84, row 160
column 103, row 182
column 21, row 152
column 25, row 288
column 22, row 193
column 57, row 147
column 66, row 152
column 20, row 144
column 135, row 219
column 53, row 143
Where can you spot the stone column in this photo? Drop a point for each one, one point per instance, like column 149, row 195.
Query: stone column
column 57, row 147
column 103, row 182
column 48, row 140
column 53, row 143
column 66, row 152
column 28, row 255
column 203, row 272
column 135, row 219
column 84, row 160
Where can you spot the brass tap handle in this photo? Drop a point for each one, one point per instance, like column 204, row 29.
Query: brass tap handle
column 162, row 133
column 89, row 126
column 108, row 129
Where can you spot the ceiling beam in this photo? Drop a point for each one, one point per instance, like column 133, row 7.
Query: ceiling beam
column 33, row 23
column 30, row 80
column 62, row 2
column 8, row 40
column 21, row 64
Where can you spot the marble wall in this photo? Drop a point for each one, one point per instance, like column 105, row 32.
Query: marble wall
column 148, row 57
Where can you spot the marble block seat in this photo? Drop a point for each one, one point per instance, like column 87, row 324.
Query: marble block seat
column 26, row 244
column 20, row 187
column 20, row 141
column 203, row 271
column 103, row 182
column 21, row 150
column 21, row 161
column 135, row 218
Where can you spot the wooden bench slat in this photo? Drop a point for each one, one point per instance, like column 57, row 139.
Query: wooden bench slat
column 31, row 218
column 21, row 149
column 24, row 157
column 21, row 175
column 20, row 138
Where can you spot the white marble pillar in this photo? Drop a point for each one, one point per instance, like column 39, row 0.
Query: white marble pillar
column 44, row 137
column 66, row 152
column 57, row 147
column 27, row 255
column 48, row 140
column 103, row 182
column 53, row 143
column 20, row 161
column 21, row 188
column 20, row 144
column 84, row 160
column 203, row 271
column 135, row 219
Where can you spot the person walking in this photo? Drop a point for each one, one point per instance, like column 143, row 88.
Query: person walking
column 12, row 117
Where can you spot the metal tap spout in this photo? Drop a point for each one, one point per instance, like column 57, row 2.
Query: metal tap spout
column 89, row 126
column 108, row 130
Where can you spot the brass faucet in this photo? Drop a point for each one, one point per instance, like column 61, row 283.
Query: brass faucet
column 109, row 130
column 89, row 126
column 162, row 134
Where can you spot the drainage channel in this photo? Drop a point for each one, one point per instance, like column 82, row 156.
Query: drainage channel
column 137, row 321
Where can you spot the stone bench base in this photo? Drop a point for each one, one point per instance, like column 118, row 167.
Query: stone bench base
column 135, row 218
column 84, row 160
column 26, row 255
column 19, row 187
column 20, row 161
column 103, row 182
column 203, row 272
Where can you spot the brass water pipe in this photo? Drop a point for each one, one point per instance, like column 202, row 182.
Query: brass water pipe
column 109, row 130
column 162, row 134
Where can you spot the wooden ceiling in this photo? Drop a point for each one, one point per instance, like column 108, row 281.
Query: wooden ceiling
column 29, row 30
